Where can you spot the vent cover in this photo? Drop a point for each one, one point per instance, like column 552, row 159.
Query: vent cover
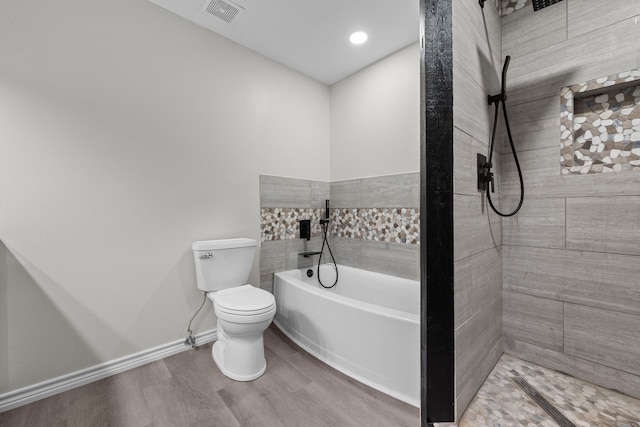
column 224, row 10
column 541, row 4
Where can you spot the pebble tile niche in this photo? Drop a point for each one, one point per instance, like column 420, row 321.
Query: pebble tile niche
column 600, row 125
column 392, row 225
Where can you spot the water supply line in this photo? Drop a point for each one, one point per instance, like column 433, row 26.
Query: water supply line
column 191, row 339
column 324, row 223
column 488, row 175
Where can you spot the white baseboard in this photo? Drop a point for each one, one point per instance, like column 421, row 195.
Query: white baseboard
column 22, row 396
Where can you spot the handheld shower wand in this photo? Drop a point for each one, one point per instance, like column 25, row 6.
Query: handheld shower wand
column 488, row 175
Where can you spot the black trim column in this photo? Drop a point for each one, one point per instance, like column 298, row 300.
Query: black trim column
column 436, row 207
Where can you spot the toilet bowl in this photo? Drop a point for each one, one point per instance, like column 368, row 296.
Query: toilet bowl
column 243, row 315
column 243, row 311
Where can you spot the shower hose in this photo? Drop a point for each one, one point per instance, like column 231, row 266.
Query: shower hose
column 325, row 230
column 496, row 100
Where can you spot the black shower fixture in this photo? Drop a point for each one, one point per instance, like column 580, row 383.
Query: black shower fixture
column 541, row 4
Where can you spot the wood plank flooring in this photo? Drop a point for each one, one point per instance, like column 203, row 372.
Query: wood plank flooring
column 188, row 390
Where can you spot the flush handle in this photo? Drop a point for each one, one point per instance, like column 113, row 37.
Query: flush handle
column 208, row 255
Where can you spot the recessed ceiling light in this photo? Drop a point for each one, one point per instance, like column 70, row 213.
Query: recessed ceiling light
column 358, row 37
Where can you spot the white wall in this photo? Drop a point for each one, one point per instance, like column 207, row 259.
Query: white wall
column 125, row 134
column 375, row 118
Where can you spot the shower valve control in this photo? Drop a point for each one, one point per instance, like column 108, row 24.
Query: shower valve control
column 485, row 176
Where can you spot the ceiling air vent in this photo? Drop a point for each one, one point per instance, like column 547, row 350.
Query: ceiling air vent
column 227, row 11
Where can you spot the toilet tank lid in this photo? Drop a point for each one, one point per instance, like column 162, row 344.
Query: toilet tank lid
column 208, row 245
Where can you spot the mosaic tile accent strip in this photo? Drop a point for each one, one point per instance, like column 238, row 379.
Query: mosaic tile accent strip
column 600, row 127
column 393, row 225
column 500, row 402
column 510, row 6
column 284, row 223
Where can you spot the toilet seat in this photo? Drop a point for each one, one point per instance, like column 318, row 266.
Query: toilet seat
column 244, row 300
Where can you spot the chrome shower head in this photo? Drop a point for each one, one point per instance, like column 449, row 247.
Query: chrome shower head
column 541, row 4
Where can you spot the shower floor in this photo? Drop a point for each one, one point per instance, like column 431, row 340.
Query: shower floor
column 501, row 402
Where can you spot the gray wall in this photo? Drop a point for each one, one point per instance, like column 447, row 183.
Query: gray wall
column 477, row 251
column 571, row 257
column 126, row 133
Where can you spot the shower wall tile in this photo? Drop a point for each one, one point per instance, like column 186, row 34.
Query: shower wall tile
column 348, row 251
column 391, row 258
column 603, row 336
column 580, row 368
column 297, row 246
column 543, row 73
column 320, row 191
column 471, row 112
column 266, row 282
column 534, row 320
column 608, row 281
column 476, row 229
column 588, row 229
column 596, row 274
column 475, row 48
column 478, row 347
column 540, row 223
column 478, row 279
column 582, row 19
column 534, row 125
column 392, row 191
column 278, row 192
column 540, row 29
column 465, row 150
column 346, row 194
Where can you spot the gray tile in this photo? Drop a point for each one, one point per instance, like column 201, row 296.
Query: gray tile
column 270, row 249
column 280, row 192
column 478, row 344
column 534, row 320
column 534, row 125
column 266, row 282
column 394, row 259
column 467, row 387
column 580, row 368
column 541, row 171
column 603, row 336
column 345, row 194
column 528, row 31
column 297, row 246
column 597, row 279
column 347, row 251
column 320, row 192
column 477, row 43
column 542, row 73
column 471, row 112
column 272, row 265
column 587, row 15
column 478, row 281
column 391, row 191
column 540, row 222
column 476, row 229
column 466, row 148
column 606, row 224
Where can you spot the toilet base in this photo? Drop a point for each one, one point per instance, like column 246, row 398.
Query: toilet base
column 243, row 365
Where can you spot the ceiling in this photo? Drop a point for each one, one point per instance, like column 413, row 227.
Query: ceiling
column 312, row 37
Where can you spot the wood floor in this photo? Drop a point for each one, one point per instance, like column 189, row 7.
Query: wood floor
column 188, row 390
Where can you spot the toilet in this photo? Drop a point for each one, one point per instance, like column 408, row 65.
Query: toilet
column 243, row 311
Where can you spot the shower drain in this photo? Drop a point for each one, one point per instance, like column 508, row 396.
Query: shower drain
column 543, row 403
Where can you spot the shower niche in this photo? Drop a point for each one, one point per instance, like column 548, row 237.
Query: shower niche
column 600, row 125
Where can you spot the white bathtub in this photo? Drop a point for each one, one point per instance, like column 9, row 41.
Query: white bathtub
column 367, row 327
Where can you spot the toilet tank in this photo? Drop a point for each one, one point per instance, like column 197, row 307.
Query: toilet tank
column 222, row 264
